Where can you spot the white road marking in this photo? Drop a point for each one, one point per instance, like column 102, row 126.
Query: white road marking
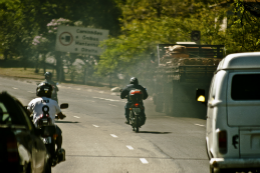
column 199, row 125
column 14, row 88
column 76, row 117
column 112, row 100
column 112, row 105
column 101, row 91
column 89, row 90
column 113, row 94
column 130, row 147
column 89, row 101
column 95, row 125
column 144, row 161
column 113, row 135
column 78, row 89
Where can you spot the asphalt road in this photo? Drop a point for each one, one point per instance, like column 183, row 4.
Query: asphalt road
column 96, row 139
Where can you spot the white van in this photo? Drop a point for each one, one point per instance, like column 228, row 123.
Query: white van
column 233, row 114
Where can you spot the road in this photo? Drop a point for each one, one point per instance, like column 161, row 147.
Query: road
column 96, row 139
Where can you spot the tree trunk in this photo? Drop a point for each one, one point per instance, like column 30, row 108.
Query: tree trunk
column 37, row 63
column 44, row 63
column 59, row 67
column 5, row 55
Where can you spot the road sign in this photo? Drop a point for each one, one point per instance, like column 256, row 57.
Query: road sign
column 195, row 36
column 80, row 40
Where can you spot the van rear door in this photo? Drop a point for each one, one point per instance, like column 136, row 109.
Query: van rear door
column 243, row 99
column 243, row 107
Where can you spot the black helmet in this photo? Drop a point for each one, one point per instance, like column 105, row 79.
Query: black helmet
column 48, row 75
column 44, row 89
column 134, row 81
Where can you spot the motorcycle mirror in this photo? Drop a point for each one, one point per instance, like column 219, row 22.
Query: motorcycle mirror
column 64, row 105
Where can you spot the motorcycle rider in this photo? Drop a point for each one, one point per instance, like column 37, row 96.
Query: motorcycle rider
column 125, row 92
column 48, row 77
column 44, row 91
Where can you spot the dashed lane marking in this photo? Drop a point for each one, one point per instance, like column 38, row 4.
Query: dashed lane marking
column 89, row 90
column 101, row 91
column 112, row 105
column 113, row 135
column 78, row 89
column 95, row 125
column 130, row 147
column 76, row 117
column 144, row 161
column 14, row 88
column 89, row 101
column 199, row 125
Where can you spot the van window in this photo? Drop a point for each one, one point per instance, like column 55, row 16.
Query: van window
column 245, row 87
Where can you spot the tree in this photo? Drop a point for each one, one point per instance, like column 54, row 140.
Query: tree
column 147, row 23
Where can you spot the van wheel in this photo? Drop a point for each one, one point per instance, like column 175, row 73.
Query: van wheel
column 207, row 151
column 213, row 170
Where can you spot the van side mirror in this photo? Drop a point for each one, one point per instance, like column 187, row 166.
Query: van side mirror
column 64, row 105
column 200, row 95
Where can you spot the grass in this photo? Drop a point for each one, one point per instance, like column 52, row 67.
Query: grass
column 20, row 72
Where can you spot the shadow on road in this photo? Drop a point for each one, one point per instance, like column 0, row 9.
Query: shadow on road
column 152, row 132
column 66, row 122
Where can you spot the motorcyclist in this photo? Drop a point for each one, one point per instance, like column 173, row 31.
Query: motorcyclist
column 125, row 92
column 55, row 89
column 44, row 91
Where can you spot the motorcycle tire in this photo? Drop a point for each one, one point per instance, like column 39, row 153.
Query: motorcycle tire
column 48, row 166
column 136, row 125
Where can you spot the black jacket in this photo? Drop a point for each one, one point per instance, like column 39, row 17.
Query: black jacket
column 130, row 87
column 55, row 89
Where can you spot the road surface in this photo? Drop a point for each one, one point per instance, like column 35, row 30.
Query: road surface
column 96, row 139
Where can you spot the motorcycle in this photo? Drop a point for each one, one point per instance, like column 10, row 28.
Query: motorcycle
column 136, row 110
column 49, row 136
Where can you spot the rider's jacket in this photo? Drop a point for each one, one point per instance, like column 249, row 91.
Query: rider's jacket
column 130, row 87
column 37, row 104
column 55, row 89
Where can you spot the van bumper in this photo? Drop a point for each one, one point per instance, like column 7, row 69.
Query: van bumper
column 234, row 163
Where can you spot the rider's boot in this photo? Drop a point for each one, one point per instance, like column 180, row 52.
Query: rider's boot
column 127, row 121
column 60, row 153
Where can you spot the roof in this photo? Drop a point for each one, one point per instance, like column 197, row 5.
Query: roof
column 249, row 60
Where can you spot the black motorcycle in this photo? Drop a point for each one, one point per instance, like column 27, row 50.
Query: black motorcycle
column 49, row 136
column 136, row 110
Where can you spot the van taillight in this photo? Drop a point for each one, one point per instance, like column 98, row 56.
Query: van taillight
column 222, row 141
column 12, row 150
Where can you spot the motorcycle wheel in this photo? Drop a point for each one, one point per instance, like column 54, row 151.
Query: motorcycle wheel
column 48, row 166
column 136, row 125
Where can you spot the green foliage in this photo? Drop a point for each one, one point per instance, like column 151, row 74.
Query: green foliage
column 147, row 23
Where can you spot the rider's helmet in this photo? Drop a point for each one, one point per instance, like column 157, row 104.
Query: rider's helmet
column 134, row 81
column 44, row 89
column 48, row 75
